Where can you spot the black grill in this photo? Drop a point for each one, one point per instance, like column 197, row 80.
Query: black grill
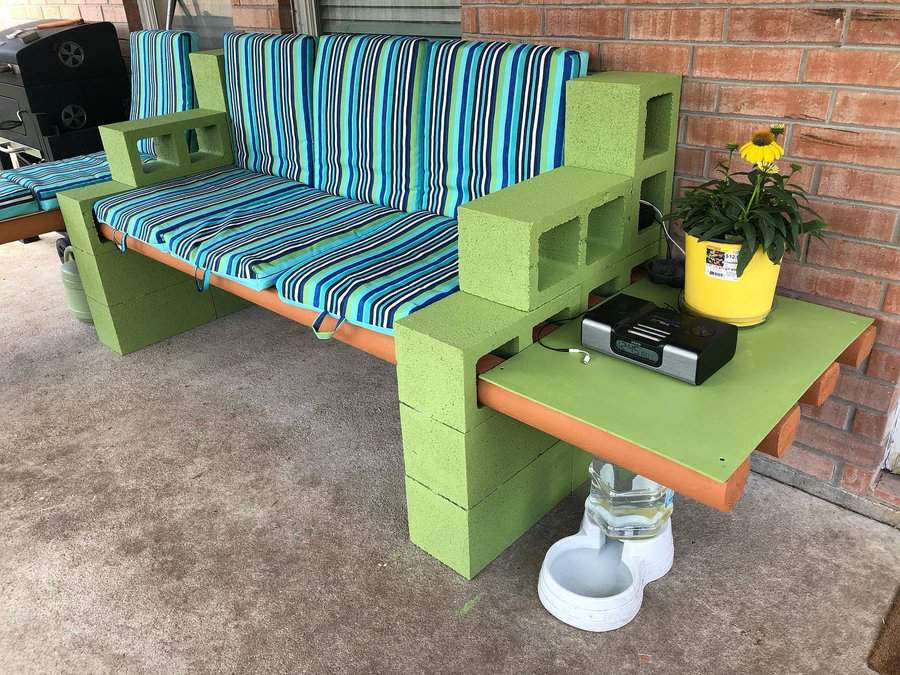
column 58, row 83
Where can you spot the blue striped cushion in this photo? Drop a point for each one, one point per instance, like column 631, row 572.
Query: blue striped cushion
column 46, row 179
column 269, row 79
column 161, row 82
column 366, row 118
column 15, row 200
column 382, row 276
column 242, row 225
column 493, row 117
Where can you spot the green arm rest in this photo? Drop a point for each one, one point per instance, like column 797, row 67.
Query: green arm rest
column 174, row 159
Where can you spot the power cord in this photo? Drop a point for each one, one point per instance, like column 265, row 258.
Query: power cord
column 670, row 270
column 586, row 357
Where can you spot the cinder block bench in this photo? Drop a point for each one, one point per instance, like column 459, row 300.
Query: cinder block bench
column 161, row 84
column 429, row 202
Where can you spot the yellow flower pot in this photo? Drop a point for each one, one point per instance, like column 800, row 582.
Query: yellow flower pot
column 713, row 289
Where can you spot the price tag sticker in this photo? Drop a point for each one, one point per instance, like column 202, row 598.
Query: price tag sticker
column 721, row 264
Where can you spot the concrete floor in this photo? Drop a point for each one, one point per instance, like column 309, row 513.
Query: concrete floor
column 232, row 499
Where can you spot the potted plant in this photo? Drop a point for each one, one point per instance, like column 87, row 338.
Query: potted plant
column 738, row 228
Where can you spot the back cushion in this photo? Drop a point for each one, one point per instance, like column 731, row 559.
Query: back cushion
column 269, row 83
column 367, row 112
column 161, row 82
column 493, row 117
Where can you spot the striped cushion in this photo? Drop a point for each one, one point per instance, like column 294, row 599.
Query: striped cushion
column 15, row 200
column 161, row 82
column 46, row 179
column 366, row 118
column 243, row 225
column 493, row 117
column 269, row 79
column 382, row 276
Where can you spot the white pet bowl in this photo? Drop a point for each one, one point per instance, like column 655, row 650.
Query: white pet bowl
column 596, row 584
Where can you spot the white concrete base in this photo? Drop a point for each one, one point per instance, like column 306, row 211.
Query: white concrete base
column 596, row 584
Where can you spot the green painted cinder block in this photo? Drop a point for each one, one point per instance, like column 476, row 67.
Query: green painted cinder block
column 112, row 277
column 466, row 467
column 208, row 70
column 466, row 540
column 615, row 121
column 438, row 347
column 144, row 320
column 77, row 211
column 526, row 244
column 170, row 133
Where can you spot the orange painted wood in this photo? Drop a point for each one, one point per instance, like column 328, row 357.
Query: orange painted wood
column 782, row 435
column 30, row 225
column 369, row 341
column 718, row 495
column 859, row 351
column 822, row 388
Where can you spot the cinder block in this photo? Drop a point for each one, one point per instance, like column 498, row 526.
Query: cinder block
column 466, row 540
column 142, row 321
column 466, row 467
column 528, row 243
column 77, row 210
column 170, row 133
column 208, row 70
column 438, row 347
column 616, row 121
column 112, row 277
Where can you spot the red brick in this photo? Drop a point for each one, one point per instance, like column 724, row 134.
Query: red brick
column 644, row 57
column 509, row 21
column 698, row 96
column 856, row 479
column 841, row 66
column 810, row 463
column 829, row 284
column 789, row 102
column 870, row 425
column 857, row 184
column 857, row 220
column 468, row 17
column 747, row 63
column 854, row 448
column 690, row 161
column 717, row 132
column 596, row 23
column 874, row 27
column 833, row 413
column 865, row 391
column 91, row 12
column 884, row 365
column 892, row 299
column 877, row 109
column 786, row 25
column 888, row 332
column 887, row 489
column 592, row 48
column 112, row 13
column 676, row 24
column 872, row 259
column 850, row 146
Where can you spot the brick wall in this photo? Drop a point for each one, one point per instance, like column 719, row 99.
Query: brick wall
column 831, row 73
column 123, row 13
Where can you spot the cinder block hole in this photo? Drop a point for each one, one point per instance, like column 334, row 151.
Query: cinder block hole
column 653, row 190
column 605, row 229
column 507, row 349
column 557, row 254
column 659, row 122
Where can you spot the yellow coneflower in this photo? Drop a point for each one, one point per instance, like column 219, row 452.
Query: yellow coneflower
column 762, row 149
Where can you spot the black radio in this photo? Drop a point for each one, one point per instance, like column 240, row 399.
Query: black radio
column 687, row 347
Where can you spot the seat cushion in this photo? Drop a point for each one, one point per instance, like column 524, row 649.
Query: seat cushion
column 269, row 87
column 238, row 224
column 46, row 179
column 493, row 117
column 382, row 276
column 15, row 200
column 161, row 82
column 366, row 118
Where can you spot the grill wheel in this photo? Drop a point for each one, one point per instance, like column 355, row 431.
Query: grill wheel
column 73, row 116
column 71, row 54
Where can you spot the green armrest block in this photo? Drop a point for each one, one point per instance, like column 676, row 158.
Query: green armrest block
column 174, row 157
column 618, row 121
column 208, row 70
column 530, row 242
column 77, row 210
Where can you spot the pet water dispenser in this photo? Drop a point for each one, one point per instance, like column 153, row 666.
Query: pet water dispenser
column 594, row 580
